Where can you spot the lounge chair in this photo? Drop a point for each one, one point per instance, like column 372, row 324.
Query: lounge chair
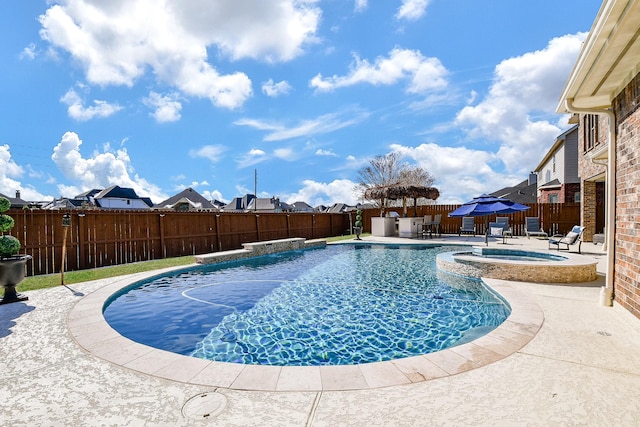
column 468, row 226
column 496, row 229
column 504, row 220
column 532, row 228
column 572, row 237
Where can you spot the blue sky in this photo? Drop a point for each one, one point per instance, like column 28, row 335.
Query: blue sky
column 164, row 95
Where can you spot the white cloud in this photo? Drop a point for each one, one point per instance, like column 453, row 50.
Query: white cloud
column 10, row 172
column 361, row 5
column 321, row 152
column 28, row 52
column 212, row 152
column 285, row 154
column 423, row 74
column 459, row 171
column 166, row 107
column 119, row 42
column 252, row 157
column 412, row 10
column 318, row 193
column 78, row 111
column 324, row 124
column 101, row 171
column 214, row 195
column 276, row 89
column 519, row 110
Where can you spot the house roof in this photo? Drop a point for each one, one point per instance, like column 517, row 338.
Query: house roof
column 302, row 207
column 609, row 57
column 16, row 202
column 88, row 193
column 523, row 192
column 554, row 183
column 117, row 192
column 188, row 194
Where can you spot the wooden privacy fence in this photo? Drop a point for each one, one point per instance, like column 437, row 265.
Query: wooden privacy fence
column 102, row 238
column 555, row 218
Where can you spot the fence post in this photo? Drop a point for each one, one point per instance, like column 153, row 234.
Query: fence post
column 81, row 241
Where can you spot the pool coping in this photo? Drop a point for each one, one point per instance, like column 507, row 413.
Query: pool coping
column 89, row 329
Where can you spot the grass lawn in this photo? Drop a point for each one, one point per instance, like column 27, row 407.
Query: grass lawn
column 50, row 280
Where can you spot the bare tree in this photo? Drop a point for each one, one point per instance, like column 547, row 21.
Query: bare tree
column 388, row 170
column 381, row 171
column 413, row 175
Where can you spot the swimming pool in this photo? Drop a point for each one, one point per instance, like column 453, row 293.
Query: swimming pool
column 345, row 304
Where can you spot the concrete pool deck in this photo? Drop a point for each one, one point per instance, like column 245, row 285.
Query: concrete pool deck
column 582, row 367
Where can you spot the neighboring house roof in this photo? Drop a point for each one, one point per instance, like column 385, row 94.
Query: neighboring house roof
column 64, row 203
column 88, row 193
column 301, row 207
column 116, row 192
column 217, row 204
column 188, row 195
column 524, row 192
column 554, row 183
column 338, row 208
column 16, row 202
column 268, row 204
column 238, row 203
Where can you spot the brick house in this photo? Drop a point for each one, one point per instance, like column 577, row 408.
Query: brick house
column 558, row 179
column 603, row 90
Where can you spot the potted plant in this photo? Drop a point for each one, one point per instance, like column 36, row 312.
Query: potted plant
column 12, row 265
column 358, row 224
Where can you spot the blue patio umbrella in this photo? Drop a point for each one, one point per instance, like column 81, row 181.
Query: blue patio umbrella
column 486, row 205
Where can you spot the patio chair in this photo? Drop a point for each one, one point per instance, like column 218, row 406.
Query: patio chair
column 436, row 223
column 532, row 227
column 496, row 229
column 468, row 226
column 572, row 237
column 504, row 220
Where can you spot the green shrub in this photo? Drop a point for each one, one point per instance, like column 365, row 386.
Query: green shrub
column 9, row 246
column 6, row 223
column 359, row 218
column 5, row 204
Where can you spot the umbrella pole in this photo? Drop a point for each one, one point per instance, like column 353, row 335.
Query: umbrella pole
column 486, row 230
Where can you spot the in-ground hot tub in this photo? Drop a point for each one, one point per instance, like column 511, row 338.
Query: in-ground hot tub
column 519, row 265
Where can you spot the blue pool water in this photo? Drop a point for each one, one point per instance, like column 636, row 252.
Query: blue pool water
column 344, row 304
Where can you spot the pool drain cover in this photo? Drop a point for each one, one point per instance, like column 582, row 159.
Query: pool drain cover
column 204, row 406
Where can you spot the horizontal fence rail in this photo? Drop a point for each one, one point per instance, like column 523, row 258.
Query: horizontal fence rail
column 100, row 238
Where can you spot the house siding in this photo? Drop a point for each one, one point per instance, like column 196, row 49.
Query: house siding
column 627, row 230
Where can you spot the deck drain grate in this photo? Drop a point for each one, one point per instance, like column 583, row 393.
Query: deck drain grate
column 204, row 406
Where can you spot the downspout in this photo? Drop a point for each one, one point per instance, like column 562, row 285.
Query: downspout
column 606, row 293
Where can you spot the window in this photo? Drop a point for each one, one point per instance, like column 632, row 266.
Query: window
column 553, row 160
column 590, row 131
column 576, row 197
column 553, row 198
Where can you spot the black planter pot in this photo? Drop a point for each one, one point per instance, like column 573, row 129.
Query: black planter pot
column 12, row 272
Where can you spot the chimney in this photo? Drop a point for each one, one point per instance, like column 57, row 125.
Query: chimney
column 533, row 178
column 17, row 194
